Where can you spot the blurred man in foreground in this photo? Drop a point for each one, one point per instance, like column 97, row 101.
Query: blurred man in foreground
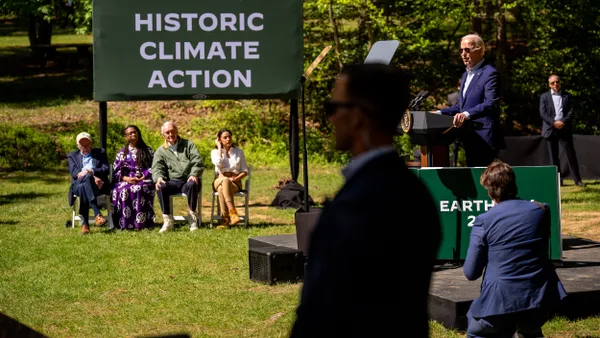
column 383, row 222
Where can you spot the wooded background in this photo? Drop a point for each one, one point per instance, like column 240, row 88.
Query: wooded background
column 527, row 40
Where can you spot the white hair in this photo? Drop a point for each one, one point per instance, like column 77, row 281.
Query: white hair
column 476, row 39
column 165, row 125
column 553, row 75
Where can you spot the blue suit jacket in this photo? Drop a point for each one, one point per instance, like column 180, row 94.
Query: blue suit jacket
column 100, row 167
column 482, row 101
column 511, row 242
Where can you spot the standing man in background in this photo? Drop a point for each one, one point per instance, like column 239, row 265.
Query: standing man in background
column 556, row 110
column 478, row 101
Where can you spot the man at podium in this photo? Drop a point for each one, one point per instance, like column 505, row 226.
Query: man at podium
column 478, row 101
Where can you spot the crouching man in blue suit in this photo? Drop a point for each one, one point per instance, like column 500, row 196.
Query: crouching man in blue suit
column 520, row 286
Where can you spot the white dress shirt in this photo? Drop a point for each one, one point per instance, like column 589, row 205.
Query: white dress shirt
column 235, row 163
column 557, row 99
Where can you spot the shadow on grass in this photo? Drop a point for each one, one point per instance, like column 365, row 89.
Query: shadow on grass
column 262, row 225
column 577, row 264
column 575, row 243
column 591, row 197
column 447, row 265
column 46, row 176
column 25, row 83
column 8, row 222
column 45, row 89
column 21, row 196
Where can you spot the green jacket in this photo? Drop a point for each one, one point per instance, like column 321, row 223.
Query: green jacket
column 186, row 163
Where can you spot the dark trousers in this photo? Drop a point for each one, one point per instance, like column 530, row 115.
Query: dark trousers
column 527, row 323
column 566, row 139
column 478, row 152
column 87, row 191
column 189, row 188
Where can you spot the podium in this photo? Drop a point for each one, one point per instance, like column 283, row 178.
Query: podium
column 433, row 132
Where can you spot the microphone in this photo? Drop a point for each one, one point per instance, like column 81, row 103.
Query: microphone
column 412, row 103
column 422, row 96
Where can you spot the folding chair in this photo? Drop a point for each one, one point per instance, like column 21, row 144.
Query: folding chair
column 75, row 218
column 245, row 193
column 198, row 207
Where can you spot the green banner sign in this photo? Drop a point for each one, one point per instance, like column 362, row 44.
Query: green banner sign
column 460, row 198
column 158, row 50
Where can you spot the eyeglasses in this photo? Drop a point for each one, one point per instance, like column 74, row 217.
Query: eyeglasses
column 332, row 107
column 467, row 50
column 554, row 82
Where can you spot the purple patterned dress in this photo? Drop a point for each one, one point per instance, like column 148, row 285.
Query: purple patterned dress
column 132, row 203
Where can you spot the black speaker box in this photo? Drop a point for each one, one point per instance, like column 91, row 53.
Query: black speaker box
column 305, row 224
column 276, row 264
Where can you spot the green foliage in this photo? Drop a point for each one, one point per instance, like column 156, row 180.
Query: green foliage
column 25, row 8
column 404, row 146
column 261, row 131
column 26, row 148
column 562, row 38
column 82, row 16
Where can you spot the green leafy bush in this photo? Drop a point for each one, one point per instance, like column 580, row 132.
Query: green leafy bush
column 26, row 148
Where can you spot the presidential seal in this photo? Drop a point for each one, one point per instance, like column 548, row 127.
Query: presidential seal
column 406, row 123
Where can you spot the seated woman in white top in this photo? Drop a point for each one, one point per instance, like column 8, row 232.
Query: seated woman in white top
column 230, row 169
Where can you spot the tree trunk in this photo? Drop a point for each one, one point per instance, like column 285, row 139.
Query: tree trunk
column 39, row 31
column 368, row 25
column 32, row 30
column 501, row 50
column 336, row 35
column 476, row 20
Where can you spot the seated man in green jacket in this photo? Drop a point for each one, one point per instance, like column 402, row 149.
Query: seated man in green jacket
column 177, row 168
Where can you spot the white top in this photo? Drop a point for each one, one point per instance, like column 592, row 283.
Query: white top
column 557, row 99
column 235, row 163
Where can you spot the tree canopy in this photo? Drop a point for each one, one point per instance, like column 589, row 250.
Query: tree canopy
column 528, row 40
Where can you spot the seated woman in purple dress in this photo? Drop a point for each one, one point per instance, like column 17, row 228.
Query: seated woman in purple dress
column 133, row 193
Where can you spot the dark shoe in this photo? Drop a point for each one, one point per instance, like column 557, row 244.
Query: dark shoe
column 581, row 184
column 85, row 229
column 100, row 220
column 562, row 184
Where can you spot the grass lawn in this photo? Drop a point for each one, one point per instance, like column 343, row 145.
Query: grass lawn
column 127, row 284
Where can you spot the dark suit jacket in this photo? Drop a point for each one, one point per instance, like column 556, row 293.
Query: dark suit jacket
column 100, row 167
column 547, row 113
column 371, row 257
column 511, row 242
column 482, row 101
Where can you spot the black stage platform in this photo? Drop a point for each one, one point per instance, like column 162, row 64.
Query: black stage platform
column 451, row 293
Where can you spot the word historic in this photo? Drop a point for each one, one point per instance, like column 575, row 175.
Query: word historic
column 199, row 50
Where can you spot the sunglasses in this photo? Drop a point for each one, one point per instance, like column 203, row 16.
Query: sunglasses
column 467, row 50
column 554, row 82
column 332, row 107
